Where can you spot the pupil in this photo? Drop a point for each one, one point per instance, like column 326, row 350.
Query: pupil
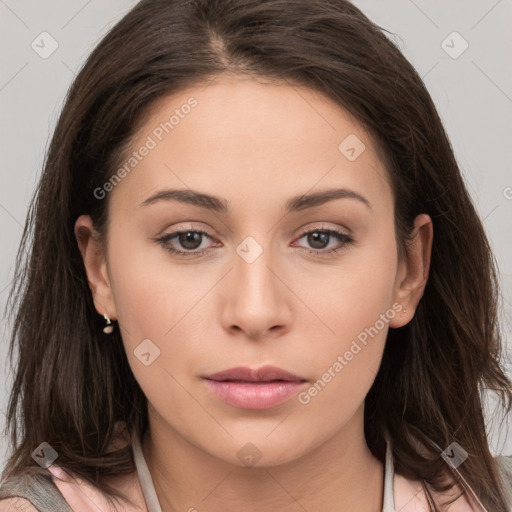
column 313, row 238
column 188, row 238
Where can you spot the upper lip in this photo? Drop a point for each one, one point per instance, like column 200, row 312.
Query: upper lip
column 263, row 374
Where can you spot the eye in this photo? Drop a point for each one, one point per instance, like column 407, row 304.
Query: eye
column 191, row 239
column 320, row 237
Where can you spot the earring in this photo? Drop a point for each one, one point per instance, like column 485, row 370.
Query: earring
column 404, row 312
column 108, row 327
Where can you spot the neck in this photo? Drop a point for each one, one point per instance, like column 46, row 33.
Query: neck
column 340, row 474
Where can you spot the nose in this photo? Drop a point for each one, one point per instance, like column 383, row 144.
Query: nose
column 257, row 300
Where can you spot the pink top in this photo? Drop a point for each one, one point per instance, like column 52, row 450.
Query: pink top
column 82, row 497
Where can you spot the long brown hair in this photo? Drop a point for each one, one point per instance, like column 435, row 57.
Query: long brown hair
column 73, row 383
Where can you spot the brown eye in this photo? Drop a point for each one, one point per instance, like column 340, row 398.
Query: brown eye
column 189, row 240
column 319, row 240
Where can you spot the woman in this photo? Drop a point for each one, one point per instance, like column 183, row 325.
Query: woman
column 235, row 298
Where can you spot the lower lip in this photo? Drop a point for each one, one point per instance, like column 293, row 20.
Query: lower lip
column 247, row 395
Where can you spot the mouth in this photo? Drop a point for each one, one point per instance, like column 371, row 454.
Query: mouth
column 261, row 388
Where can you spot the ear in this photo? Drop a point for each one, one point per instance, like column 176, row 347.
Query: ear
column 412, row 273
column 94, row 258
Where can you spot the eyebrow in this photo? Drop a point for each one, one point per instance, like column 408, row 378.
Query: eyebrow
column 216, row 204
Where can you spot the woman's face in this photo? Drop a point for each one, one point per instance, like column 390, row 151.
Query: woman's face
column 280, row 161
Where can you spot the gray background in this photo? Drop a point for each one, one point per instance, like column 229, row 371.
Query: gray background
column 473, row 93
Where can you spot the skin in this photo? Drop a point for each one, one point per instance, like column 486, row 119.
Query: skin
column 255, row 145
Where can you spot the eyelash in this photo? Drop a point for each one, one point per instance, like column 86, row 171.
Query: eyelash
column 342, row 237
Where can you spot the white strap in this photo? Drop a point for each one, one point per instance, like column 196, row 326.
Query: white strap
column 146, row 482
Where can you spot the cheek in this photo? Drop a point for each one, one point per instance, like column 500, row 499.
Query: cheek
column 355, row 305
column 158, row 301
column 355, row 290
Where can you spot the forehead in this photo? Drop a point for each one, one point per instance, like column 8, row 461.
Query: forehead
column 240, row 138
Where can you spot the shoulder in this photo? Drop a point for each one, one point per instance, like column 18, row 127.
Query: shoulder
column 83, row 496
column 409, row 495
column 63, row 491
column 56, row 488
column 30, row 491
column 16, row 505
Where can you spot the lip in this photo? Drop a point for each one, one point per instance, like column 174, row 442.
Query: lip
column 260, row 388
column 264, row 374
